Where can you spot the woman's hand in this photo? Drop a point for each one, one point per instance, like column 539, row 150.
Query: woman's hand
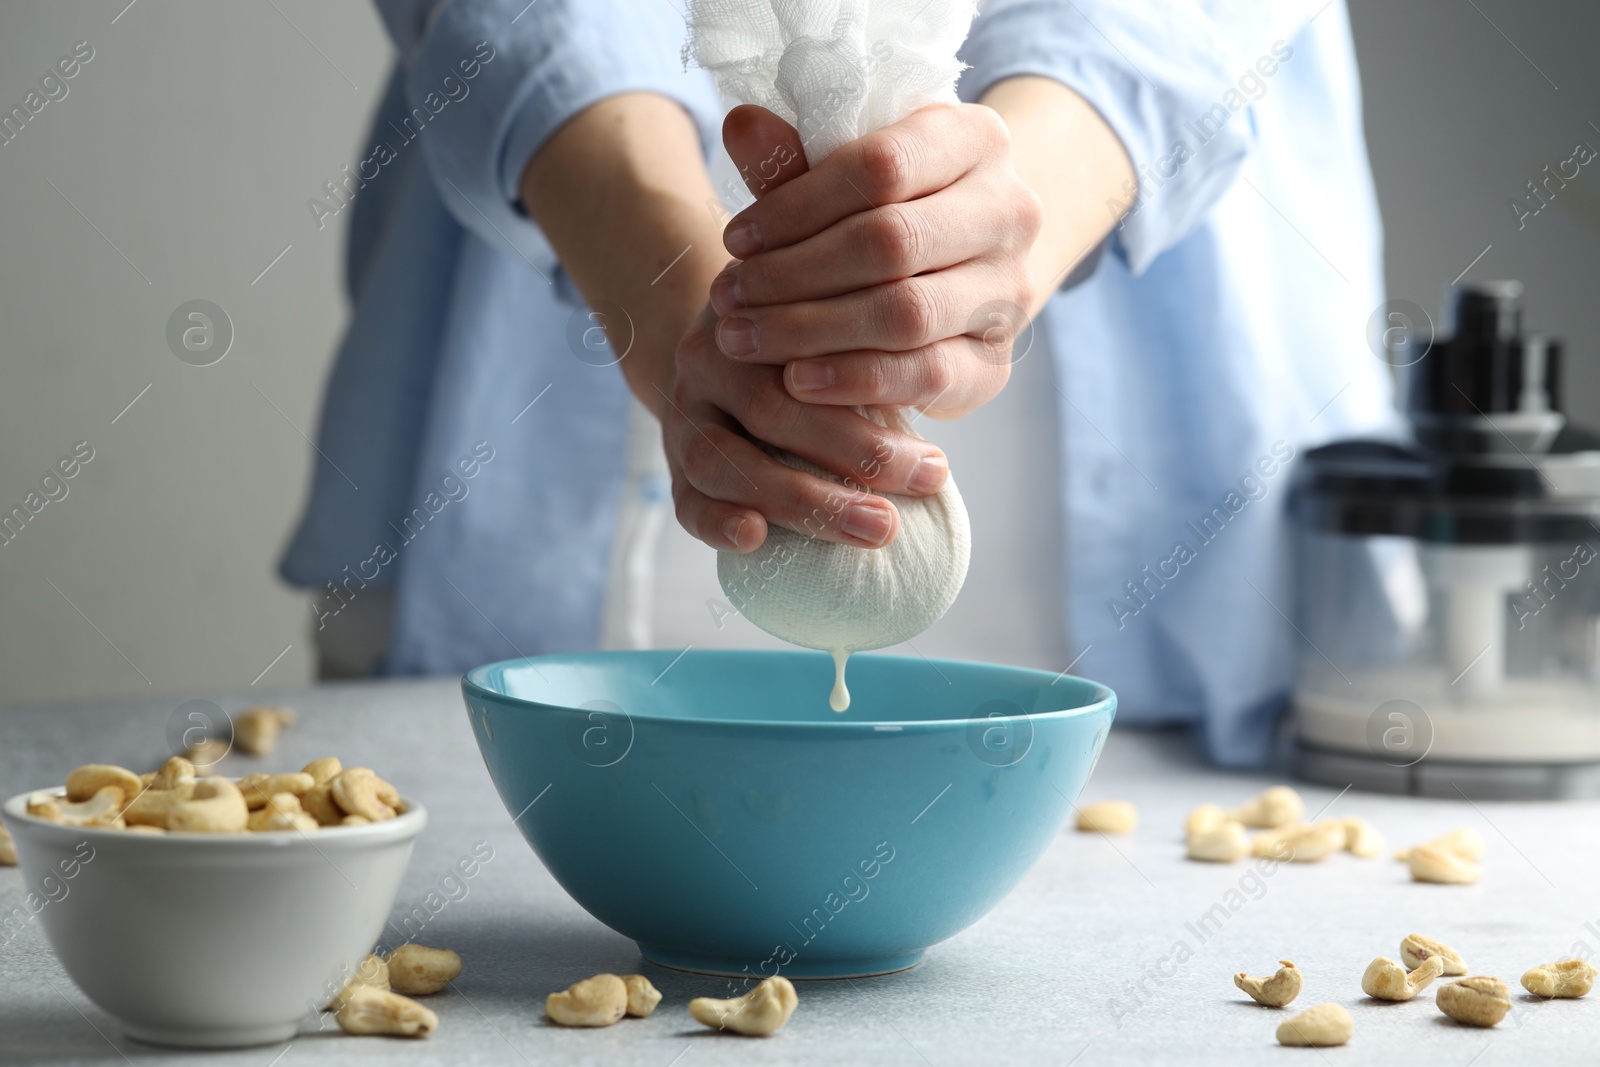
column 894, row 273
column 727, row 489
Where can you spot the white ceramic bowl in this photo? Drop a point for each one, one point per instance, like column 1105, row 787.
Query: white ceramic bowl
column 211, row 940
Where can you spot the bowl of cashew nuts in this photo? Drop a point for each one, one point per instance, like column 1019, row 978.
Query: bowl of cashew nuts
column 275, row 875
column 712, row 807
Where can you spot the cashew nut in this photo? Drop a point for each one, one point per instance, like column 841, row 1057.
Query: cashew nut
column 642, row 996
column 1223, row 843
column 317, row 802
column 282, row 812
column 255, row 730
column 176, row 773
column 8, row 849
column 1387, row 980
column 323, row 770
column 258, row 788
column 205, row 755
column 377, row 1011
column 1269, row 844
column 355, row 820
column 1274, row 992
column 104, row 809
column 359, row 791
column 597, row 1001
column 1303, row 843
column 1567, row 978
column 215, row 807
column 89, row 779
column 1272, row 808
column 761, row 1011
column 1416, row 949
column 153, row 805
column 417, row 970
column 1463, row 842
column 1109, row 817
column 1477, row 1001
column 1320, row 1027
column 1431, row 864
column 1205, row 817
column 370, row 973
column 1362, row 838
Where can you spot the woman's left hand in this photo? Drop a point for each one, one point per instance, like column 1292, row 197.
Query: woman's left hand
column 894, row 273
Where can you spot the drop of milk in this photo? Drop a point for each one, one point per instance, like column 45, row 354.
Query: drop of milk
column 839, row 699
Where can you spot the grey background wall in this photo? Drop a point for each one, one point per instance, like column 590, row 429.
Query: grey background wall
column 177, row 168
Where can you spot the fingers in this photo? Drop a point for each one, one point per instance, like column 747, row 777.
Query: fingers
column 871, row 247
column 912, row 158
column 894, row 317
column 765, row 148
column 946, row 379
column 722, row 482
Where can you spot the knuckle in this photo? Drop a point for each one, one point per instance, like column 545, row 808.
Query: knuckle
column 764, row 405
column 909, row 313
column 1029, row 212
column 938, row 373
column 877, row 380
column 886, row 165
column 700, row 459
column 893, row 240
column 993, row 128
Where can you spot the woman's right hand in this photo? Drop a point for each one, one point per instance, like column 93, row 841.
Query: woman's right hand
column 727, row 489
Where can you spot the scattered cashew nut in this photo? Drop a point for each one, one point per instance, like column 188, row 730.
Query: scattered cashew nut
column 1362, row 838
column 1274, row 992
column 1308, row 844
column 597, row 1001
column 1320, row 1027
column 370, row 973
column 1463, row 842
column 759, row 1012
column 1109, row 817
column 368, row 1010
column 417, row 970
column 1480, row 1001
column 642, row 996
column 255, row 730
column 1387, row 980
column 1431, row 864
column 1272, row 808
column 1416, row 949
column 8, row 849
column 1224, row 843
column 215, row 807
column 1205, row 817
column 1568, row 979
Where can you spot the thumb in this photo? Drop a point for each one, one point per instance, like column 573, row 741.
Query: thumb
column 766, row 149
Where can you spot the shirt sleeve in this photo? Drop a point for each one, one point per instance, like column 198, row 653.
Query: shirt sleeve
column 488, row 81
column 1166, row 78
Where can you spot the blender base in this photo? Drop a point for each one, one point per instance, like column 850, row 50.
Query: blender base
column 1449, row 780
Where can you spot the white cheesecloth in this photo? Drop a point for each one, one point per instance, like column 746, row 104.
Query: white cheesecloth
column 835, row 70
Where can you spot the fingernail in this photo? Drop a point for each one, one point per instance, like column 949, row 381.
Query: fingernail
column 867, row 523
column 806, row 376
column 743, row 239
column 731, row 527
column 725, row 294
column 928, row 475
column 738, row 337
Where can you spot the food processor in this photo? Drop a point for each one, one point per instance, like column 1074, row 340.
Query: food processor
column 1448, row 586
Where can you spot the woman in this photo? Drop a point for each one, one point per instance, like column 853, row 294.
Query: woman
column 1176, row 195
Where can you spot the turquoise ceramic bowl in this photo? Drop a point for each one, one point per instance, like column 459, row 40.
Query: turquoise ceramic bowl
column 711, row 807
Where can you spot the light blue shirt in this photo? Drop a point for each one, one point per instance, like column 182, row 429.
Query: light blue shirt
column 472, row 463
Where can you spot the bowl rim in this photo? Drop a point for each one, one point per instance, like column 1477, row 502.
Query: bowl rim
column 400, row 827
column 1105, row 698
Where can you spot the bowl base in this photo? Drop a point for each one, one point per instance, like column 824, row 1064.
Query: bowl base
column 213, row 1037
column 798, row 969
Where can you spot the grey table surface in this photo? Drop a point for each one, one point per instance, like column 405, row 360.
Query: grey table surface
column 1112, row 950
